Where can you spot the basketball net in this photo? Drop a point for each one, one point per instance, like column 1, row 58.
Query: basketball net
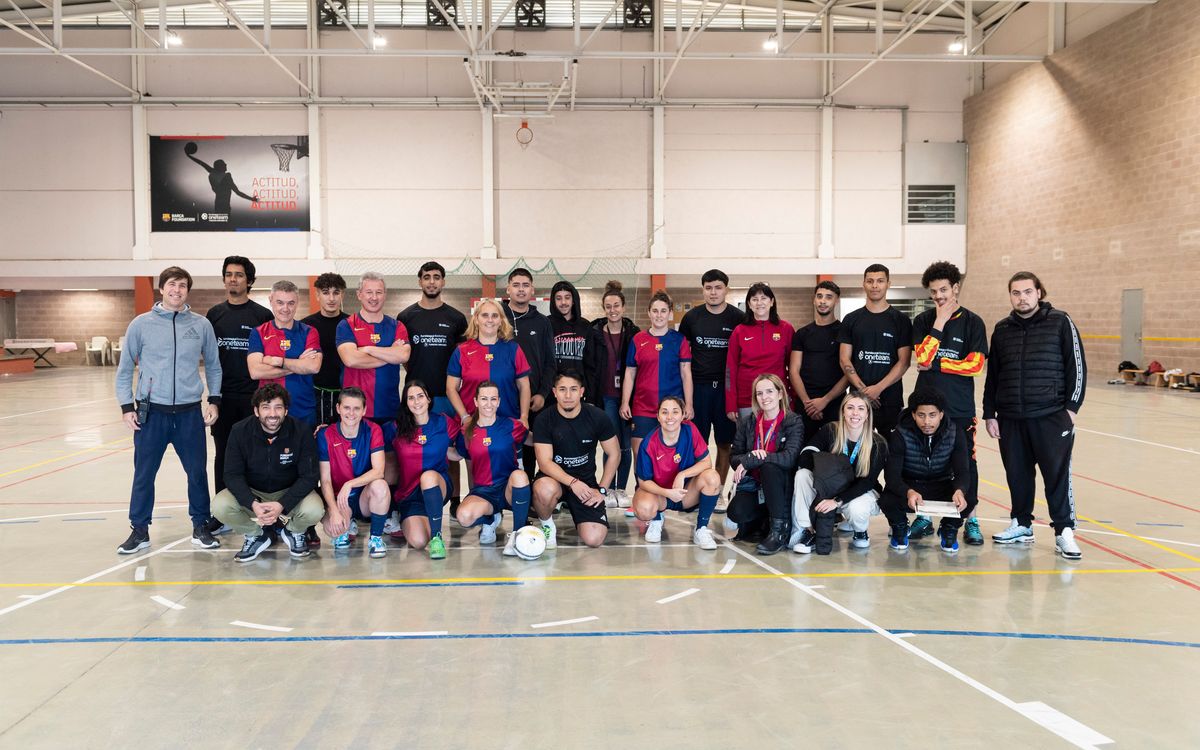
column 285, row 152
column 524, row 135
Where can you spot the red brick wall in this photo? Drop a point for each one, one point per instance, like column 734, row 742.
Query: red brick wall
column 1086, row 170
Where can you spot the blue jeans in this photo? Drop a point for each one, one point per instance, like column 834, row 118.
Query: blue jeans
column 185, row 431
column 612, row 407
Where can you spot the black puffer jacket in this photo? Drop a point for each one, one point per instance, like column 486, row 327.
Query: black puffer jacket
column 1036, row 368
column 914, row 456
column 787, row 448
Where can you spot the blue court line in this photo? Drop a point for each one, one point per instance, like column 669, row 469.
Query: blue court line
column 4, row 522
column 590, row 634
column 66, row 520
column 1174, row 525
column 425, row 585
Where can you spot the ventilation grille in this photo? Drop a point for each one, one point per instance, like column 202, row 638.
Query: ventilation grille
column 931, row 204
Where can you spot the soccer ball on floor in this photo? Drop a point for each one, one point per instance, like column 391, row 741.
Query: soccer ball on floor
column 530, row 542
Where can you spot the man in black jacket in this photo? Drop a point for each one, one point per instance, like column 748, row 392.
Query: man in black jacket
column 270, row 477
column 577, row 346
column 927, row 460
column 1035, row 385
column 535, row 336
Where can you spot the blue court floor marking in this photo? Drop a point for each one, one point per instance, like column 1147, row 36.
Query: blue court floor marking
column 426, row 585
column 591, row 634
column 1147, row 523
column 6, row 522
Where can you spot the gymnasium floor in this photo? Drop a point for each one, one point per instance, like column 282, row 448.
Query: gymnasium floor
column 664, row 646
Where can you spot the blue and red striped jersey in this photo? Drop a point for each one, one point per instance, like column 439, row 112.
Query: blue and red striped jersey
column 502, row 363
column 348, row 458
column 493, row 450
column 657, row 359
column 424, row 451
column 270, row 340
column 661, row 463
column 382, row 384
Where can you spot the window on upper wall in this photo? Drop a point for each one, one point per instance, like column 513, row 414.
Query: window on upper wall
column 930, row 204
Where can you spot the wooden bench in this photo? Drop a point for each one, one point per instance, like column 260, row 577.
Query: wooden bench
column 14, row 364
column 1131, row 376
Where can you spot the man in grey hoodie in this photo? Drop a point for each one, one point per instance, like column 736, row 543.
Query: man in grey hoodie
column 166, row 345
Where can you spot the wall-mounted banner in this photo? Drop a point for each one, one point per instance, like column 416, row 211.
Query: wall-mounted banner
column 229, row 183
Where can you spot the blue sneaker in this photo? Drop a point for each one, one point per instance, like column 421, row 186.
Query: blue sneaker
column 900, row 537
column 949, row 537
column 972, row 534
column 922, row 527
column 342, row 542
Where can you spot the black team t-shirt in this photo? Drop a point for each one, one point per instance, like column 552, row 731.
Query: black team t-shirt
column 329, row 376
column 876, row 340
column 433, row 335
column 574, row 440
column 964, row 333
column 708, row 336
column 232, row 325
column 819, row 368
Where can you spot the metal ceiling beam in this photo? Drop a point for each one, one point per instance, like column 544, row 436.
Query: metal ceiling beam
column 236, row 20
column 693, row 35
column 51, row 49
column 914, row 28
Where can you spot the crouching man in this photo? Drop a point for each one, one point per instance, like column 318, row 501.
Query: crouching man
column 928, row 461
column 270, row 477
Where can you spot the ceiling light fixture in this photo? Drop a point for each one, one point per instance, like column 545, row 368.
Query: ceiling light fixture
column 772, row 43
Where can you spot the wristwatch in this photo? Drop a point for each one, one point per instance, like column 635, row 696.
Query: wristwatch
column 604, row 491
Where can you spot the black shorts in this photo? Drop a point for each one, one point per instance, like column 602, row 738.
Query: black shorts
column 581, row 513
column 708, row 401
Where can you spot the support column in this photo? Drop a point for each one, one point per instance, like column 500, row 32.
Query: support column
column 825, row 245
column 487, row 285
column 1056, row 27
column 314, row 300
column 488, row 186
column 141, row 184
column 658, row 281
column 143, row 294
column 658, row 241
column 316, row 231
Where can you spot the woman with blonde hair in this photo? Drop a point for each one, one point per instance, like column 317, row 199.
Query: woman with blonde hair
column 839, row 473
column 765, row 450
column 490, row 353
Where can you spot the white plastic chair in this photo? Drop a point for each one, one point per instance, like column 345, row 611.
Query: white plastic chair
column 98, row 347
column 114, row 351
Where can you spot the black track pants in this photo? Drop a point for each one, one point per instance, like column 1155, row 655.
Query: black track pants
column 1046, row 443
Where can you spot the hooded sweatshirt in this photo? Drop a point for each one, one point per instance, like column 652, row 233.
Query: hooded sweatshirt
column 167, row 348
column 577, row 345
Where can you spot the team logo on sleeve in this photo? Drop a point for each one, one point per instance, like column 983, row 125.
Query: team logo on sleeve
column 284, row 344
column 775, row 337
column 375, row 338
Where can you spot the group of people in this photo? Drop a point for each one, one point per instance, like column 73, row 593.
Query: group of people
column 337, row 420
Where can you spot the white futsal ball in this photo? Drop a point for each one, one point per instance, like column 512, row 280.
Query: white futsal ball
column 530, row 543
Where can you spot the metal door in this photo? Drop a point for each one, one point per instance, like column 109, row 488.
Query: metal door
column 1131, row 326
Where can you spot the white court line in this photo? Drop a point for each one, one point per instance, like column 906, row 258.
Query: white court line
column 1000, row 698
column 1062, row 725
column 93, row 576
column 1136, row 440
column 817, row 586
column 57, row 408
column 140, row 573
column 256, row 626
column 906, row 635
column 29, row 596
column 680, row 595
column 82, row 513
column 729, row 565
column 564, row 622
column 393, row 633
column 167, row 602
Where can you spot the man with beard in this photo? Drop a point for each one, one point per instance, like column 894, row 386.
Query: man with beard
column 535, row 336
column 814, row 371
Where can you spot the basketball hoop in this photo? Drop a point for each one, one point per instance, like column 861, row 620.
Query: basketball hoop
column 524, row 135
column 285, row 152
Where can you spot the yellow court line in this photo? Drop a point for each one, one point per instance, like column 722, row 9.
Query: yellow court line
column 68, row 455
column 1114, row 529
column 664, row 577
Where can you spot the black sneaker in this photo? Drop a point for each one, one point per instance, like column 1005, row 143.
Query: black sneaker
column 202, row 537
column 296, row 543
column 253, row 547
column 216, row 528
column 314, row 541
column 139, row 539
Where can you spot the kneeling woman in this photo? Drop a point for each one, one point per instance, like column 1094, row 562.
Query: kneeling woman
column 493, row 444
column 765, row 450
column 824, row 489
column 421, row 443
column 674, row 473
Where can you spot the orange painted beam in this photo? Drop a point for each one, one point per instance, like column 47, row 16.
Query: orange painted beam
column 487, row 286
column 314, row 302
column 658, row 281
column 143, row 294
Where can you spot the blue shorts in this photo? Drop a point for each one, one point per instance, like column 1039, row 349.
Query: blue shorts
column 355, row 501
column 493, row 493
column 708, row 401
column 414, row 504
column 643, row 426
column 441, row 405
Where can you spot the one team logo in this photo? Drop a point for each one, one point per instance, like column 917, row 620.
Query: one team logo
column 775, row 336
column 677, row 458
column 351, row 453
column 489, row 356
column 658, row 347
column 374, row 338
column 487, row 441
column 284, row 344
column 421, row 439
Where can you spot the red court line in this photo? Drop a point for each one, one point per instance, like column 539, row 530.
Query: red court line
column 1111, row 551
column 1119, row 487
column 61, row 468
column 61, row 434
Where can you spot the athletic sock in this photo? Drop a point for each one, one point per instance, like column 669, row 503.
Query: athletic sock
column 484, row 520
column 658, row 516
column 433, row 508
column 674, row 505
column 708, row 503
column 377, row 522
column 520, row 506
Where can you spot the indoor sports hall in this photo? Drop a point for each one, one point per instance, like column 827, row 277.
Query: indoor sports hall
column 213, row 212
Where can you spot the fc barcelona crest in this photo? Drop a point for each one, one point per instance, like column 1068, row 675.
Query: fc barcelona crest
column 284, row 344
column 421, row 439
column 677, row 458
column 487, row 441
column 351, row 453
column 658, row 347
column 775, row 337
column 375, row 338
column 489, row 356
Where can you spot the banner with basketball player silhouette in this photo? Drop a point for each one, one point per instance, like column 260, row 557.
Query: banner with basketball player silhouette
column 229, row 183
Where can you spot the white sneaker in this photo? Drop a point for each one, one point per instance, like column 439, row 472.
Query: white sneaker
column 654, row 532
column 510, row 544
column 610, row 499
column 702, row 538
column 623, row 499
column 487, row 534
column 1015, row 534
column 551, row 532
column 391, row 526
column 722, row 504
column 1065, row 545
column 352, row 532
